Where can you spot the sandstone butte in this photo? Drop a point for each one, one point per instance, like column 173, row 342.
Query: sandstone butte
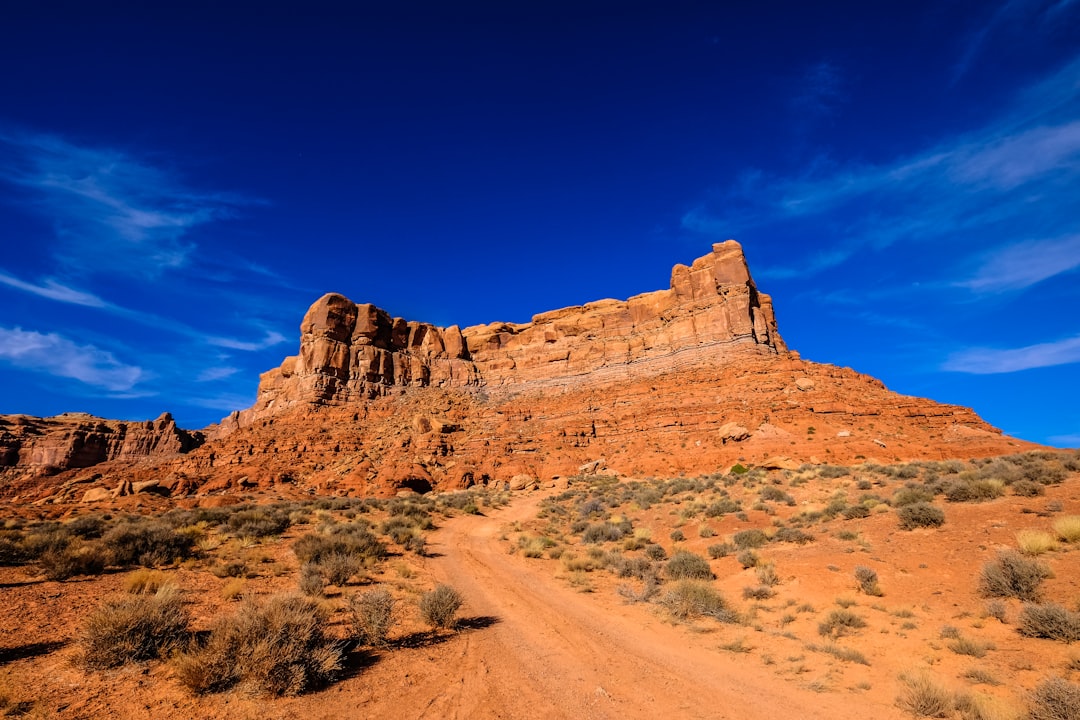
column 692, row 379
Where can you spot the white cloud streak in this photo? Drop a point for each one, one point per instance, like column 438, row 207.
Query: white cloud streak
column 270, row 339
column 55, row 355
column 112, row 213
column 1015, row 176
column 53, row 290
column 1025, row 264
column 213, row 374
column 989, row 361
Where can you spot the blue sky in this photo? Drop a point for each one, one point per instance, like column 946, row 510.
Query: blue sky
column 179, row 181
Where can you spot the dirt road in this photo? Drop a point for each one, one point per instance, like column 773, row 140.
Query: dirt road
column 552, row 652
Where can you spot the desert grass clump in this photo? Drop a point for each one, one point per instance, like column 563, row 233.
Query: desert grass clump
column 839, row 623
column 720, row 550
column 1049, row 621
column 1035, row 542
column 275, row 647
column 910, row 496
column 145, row 582
column 77, row 558
column 753, row 538
column 1068, row 528
column 1054, row 699
column 439, row 607
column 974, row 490
column 767, row 575
column 978, row 706
column 868, row 581
column 259, row 522
column 373, row 616
column 685, row 565
column 146, row 543
column 654, row 551
column 792, row 535
column 841, row 653
column 339, row 568
column 747, row 558
column 311, row 581
column 689, row 599
column 353, row 539
column 922, row 696
column 920, row 514
column 968, row 646
column 1012, row 575
column 131, row 628
column 758, row 592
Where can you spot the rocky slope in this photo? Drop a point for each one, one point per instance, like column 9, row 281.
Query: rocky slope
column 691, row 379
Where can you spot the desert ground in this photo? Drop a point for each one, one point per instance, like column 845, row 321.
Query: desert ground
column 798, row 593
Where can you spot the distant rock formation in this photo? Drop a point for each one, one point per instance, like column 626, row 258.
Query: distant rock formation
column 350, row 352
column 32, row 446
column 688, row 380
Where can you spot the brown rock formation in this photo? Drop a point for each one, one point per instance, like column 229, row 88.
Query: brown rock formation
column 348, row 352
column 31, row 446
column 691, row 379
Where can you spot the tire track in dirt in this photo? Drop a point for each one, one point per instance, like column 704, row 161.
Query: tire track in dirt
column 555, row 653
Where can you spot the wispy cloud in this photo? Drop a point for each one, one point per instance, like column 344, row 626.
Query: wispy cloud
column 1016, row 177
column 111, row 211
column 270, row 339
column 1024, row 264
column 212, row 374
column 58, row 356
column 1066, row 440
column 989, row 361
column 58, row 292
column 53, row 290
column 1012, row 21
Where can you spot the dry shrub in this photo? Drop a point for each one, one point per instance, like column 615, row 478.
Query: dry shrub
column 753, row 538
column 129, row 628
column 146, row 543
column 1012, row 575
column 311, row 581
column 971, row 647
column 1055, row 699
column 689, row 599
column 922, row 696
column 1050, row 621
column 439, row 607
column 979, row 706
column 145, row 582
column 77, row 558
column 868, row 580
column 234, row 589
column 350, row 540
column 338, row 568
column 839, row 623
column 1068, row 528
column 687, row 565
column 920, row 514
column 277, row 647
column 373, row 616
column 1035, row 542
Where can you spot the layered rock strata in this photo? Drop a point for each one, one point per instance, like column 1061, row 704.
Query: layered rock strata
column 350, row 352
column 688, row 380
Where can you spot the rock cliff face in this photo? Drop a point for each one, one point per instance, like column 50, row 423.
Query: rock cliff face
column 690, row 380
column 31, row 446
column 349, row 352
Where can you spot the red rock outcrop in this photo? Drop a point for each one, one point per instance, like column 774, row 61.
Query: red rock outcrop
column 31, row 446
column 348, row 352
column 691, row 380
